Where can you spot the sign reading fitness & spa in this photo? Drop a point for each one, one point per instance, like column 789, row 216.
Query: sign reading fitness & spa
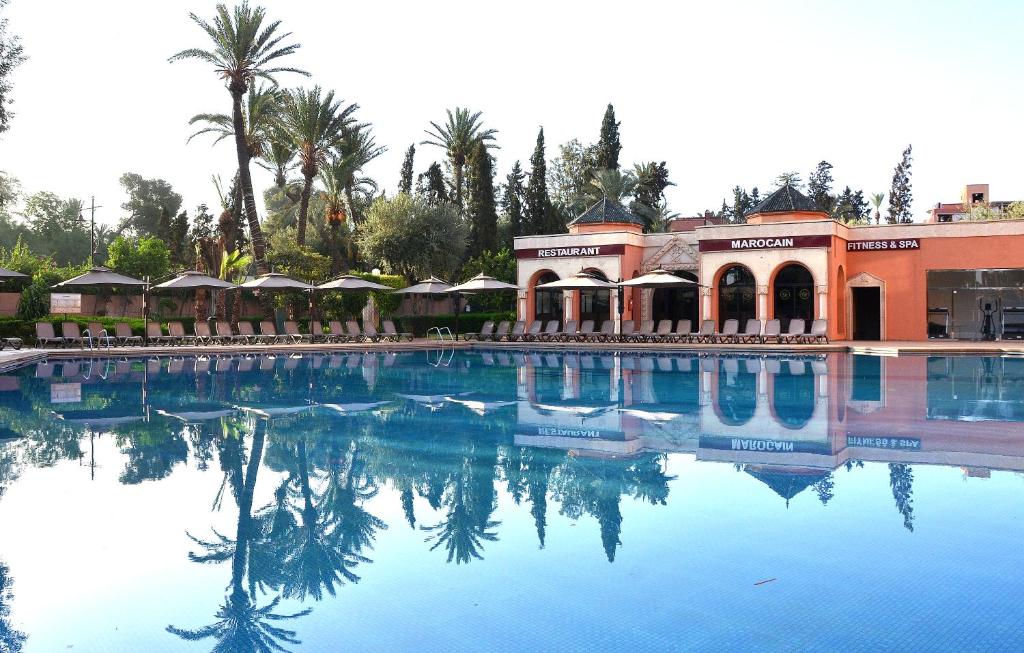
column 772, row 242
column 575, row 251
column 882, row 245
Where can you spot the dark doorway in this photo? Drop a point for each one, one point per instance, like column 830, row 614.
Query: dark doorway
column 595, row 304
column 794, row 295
column 547, row 303
column 676, row 304
column 867, row 313
column 736, row 299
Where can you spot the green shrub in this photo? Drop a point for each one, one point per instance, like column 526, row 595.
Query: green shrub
column 468, row 322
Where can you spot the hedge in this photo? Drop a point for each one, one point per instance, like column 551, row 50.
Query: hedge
column 468, row 322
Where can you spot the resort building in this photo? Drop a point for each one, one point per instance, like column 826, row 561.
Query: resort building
column 789, row 260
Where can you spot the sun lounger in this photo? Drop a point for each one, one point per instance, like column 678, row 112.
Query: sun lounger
column 683, row 332
column 645, row 333
column 316, row 332
column 246, row 334
column 729, row 332
column 72, row 335
column 664, row 332
column 155, row 335
column 705, row 333
column 370, row 333
column 561, row 335
column 486, row 331
column 797, row 328
column 12, row 342
column 627, row 331
column 532, row 332
column 226, row 334
column 751, row 332
column 549, row 333
column 100, row 337
column 605, row 334
column 354, row 332
column 585, row 332
column 394, row 334
column 337, row 332
column 517, row 332
column 124, row 335
column 203, row 335
column 268, row 333
column 500, row 332
column 772, row 331
column 292, row 334
column 818, row 334
column 46, row 337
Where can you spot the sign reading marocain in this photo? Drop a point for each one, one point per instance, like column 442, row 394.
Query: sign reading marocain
column 773, row 242
column 575, row 251
column 879, row 245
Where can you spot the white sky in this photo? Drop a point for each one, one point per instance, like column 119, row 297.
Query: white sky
column 726, row 92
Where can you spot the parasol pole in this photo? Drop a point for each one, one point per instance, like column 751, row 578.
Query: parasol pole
column 145, row 314
column 619, row 295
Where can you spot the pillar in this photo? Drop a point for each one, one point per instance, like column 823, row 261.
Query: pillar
column 762, row 303
column 822, row 313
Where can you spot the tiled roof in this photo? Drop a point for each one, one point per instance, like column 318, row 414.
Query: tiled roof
column 785, row 200
column 607, row 211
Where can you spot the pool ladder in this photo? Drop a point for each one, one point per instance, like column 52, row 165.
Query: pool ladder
column 441, row 332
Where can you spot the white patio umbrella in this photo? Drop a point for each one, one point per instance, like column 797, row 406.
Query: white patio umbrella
column 352, row 283
column 431, row 286
column 483, row 283
column 657, row 279
column 583, row 281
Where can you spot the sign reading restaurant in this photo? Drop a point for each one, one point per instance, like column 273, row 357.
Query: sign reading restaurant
column 571, row 252
column 775, row 242
column 882, row 245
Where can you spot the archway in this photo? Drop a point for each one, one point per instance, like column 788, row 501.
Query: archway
column 793, row 395
column 595, row 304
column 679, row 303
column 737, row 392
column 736, row 297
column 793, row 294
column 547, row 304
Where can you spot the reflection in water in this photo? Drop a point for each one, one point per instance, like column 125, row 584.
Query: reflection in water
column 577, row 434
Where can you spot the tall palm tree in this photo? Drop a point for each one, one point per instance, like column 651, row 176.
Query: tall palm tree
column 458, row 137
column 615, row 185
column 876, row 201
column 278, row 157
column 243, row 49
column 259, row 115
column 356, row 149
column 315, row 123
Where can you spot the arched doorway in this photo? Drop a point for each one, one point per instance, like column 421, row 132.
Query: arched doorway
column 793, row 395
column 547, row 304
column 595, row 304
column 793, row 294
column 736, row 297
column 679, row 303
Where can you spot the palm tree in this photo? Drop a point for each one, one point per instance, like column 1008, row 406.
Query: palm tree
column 260, row 110
column 243, row 50
column 279, row 157
column 233, row 265
column 876, row 201
column 459, row 137
column 615, row 185
column 315, row 123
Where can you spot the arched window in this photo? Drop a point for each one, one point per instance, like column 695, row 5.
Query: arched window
column 793, row 395
column 547, row 304
column 680, row 303
column 595, row 304
column 737, row 392
column 736, row 297
column 794, row 294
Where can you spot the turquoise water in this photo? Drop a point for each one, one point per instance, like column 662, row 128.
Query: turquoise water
column 477, row 501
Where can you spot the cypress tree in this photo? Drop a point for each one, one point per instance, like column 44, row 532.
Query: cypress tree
column 431, row 185
column 538, row 204
column 512, row 202
column 483, row 216
column 608, row 146
column 755, row 197
column 741, row 204
column 901, row 196
column 819, row 186
column 405, row 183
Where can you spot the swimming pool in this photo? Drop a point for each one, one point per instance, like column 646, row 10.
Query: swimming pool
column 476, row 500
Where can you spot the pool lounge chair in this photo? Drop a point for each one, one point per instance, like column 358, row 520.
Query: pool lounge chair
column 316, row 332
column 500, row 332
column 155, row 335
column 226, row 334
column 337, row 332
column 683, row 332
column 124, row 335
column 818, row 334
column 585, row 331
column 394, row 334
column 72, row 334
column 246, row 334
column 645, row 334
column 292, row 333
column 12, row 342
column 354, row 332
column 751, row 332
column 203, row 335
column 370, row 333
column 706, row 332
column 516, row 334
column 100, row 337
column 729, row 333
column 268, row 333
column 531, row 333
column 606, row 334
column 797, row 328
column 46, row 337
column 565, row 334
column 664, row 332
column 485, row 332
column 627, row 331
column 551, row 331
column 772, row 331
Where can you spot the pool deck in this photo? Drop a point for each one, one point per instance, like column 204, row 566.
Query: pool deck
column 10, row 359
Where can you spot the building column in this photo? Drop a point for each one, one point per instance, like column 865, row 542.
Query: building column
column 822, row 303
column 762, row 303
column 521, row 305
column 705, row 311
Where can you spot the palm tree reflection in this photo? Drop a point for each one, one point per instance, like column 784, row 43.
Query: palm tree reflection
column 11, row 639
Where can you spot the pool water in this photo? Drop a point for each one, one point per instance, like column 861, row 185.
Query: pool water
column 480, row 501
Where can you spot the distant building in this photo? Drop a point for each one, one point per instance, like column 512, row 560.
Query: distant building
column 973, row 195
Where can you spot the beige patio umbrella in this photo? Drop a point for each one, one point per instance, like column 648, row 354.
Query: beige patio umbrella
column 431, row 286
column 100, row 276
column 353, row 283
column 657, row 279
column 6, row 274
column 584, row 281
column 478, row 284
column 195, row 280
column 275, row 281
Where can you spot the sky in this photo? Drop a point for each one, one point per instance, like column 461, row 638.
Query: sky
column 725, row 92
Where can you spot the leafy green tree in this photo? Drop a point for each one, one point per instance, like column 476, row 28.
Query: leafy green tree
column 819, row 187
column 315, row 123
column 139, row 256
column 459, row 137
column 539, row 214
column 850, row 207
column 651, row 182
column 11, row 56
column 149, row 201
column 11, row 639
column 407, row 235
column 405, row 182
column 243, row 50
column 901, row 194
column 482, row 212
column 512, row 199
column 608, row 147
column 278, row 157
column 55, row 228
column 430, row 184
column 570, row 173
column 901, row 481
